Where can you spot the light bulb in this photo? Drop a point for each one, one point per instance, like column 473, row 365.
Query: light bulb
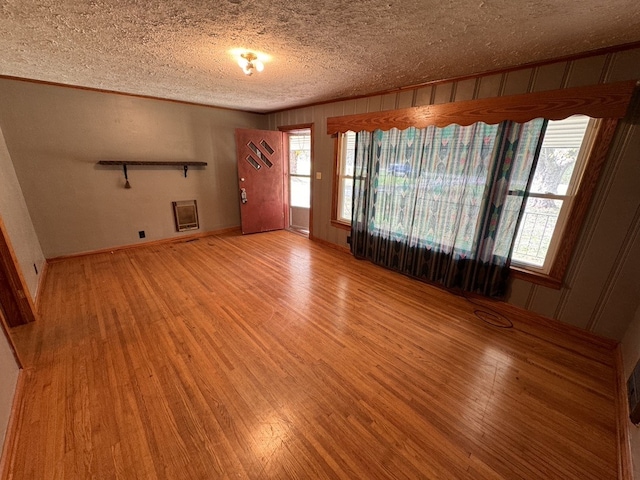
column 242, row 62
column 248, row 69
column 249, row 63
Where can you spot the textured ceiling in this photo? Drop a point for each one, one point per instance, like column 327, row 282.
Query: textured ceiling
column 319, row 49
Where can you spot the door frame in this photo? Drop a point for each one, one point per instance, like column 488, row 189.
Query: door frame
column 12, row 346
column 18, row 293
column 286, row 129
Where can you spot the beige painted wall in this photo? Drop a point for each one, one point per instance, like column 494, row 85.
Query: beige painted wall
column 602, row 280
column 55, row 135
column 14, row 214
column 22, row 235
column 631, row 356
column 8, row 380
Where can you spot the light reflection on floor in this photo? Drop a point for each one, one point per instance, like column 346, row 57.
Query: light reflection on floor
column 270, row 439
column 304, row 284
column 486, row 384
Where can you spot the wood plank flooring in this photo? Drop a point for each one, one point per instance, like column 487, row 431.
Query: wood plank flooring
column 270, row 356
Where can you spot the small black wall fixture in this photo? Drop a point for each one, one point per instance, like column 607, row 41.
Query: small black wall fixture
column 126, row 178
column 124, row 163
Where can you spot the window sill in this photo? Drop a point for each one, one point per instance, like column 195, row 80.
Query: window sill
column 342, row 225
column 534, row 277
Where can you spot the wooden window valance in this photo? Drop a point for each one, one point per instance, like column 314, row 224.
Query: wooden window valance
column 598, row 101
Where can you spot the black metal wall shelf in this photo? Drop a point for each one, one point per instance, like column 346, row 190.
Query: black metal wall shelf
column 139, row 162
column 124, row 163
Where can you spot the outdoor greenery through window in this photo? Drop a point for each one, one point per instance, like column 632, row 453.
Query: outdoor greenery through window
column 555, row 182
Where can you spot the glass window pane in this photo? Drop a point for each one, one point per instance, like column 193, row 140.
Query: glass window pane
column 347, row 200
column 558, row 155
column 536, row 230
column 300, row 192
column 300, row 154
column 349, row 154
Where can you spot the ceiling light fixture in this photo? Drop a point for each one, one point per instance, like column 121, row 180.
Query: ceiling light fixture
column 249, row 63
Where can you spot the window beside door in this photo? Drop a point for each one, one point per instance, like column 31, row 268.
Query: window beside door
column 299, row 178
column 300, row 169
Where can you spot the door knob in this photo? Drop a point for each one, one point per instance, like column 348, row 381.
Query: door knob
column 243, row 195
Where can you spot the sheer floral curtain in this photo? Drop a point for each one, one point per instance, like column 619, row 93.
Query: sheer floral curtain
column 443, row 204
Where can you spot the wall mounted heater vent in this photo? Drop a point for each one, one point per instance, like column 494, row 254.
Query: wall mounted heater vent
column 186, row 215
column 633, row 392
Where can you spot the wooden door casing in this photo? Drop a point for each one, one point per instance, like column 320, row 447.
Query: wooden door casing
column 15, row 299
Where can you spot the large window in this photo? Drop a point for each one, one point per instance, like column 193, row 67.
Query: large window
column 553, row 189
column 560, row 166
column 560, row 194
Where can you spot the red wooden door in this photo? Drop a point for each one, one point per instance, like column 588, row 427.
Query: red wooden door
column 261, row 178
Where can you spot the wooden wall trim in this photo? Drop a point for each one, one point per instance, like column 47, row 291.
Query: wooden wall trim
column 593, row 338
column 13, row 428
column 335, row 184
column 625, row 469
column 536, row 278
column 499, row 71
column 326, row 243
column 312, row 167
column 184, row 238
column 18, row 294
column 588, row 184
column 341, row 225
column 4, row 327
column 298, row 126
column 597, row 101
column 125, row 94
column 41, row 283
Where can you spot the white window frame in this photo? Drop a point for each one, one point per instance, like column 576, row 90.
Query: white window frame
column 567, row 199
column 339, row 180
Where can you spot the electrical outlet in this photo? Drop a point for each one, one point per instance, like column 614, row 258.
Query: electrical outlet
column 141, row 233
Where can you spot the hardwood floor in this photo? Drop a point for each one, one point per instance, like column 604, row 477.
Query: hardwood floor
column 270, row 356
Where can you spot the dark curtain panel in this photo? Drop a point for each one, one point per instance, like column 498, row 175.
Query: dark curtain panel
column 443, row 204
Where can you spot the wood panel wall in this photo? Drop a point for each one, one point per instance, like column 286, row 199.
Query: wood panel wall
column 600, row 292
